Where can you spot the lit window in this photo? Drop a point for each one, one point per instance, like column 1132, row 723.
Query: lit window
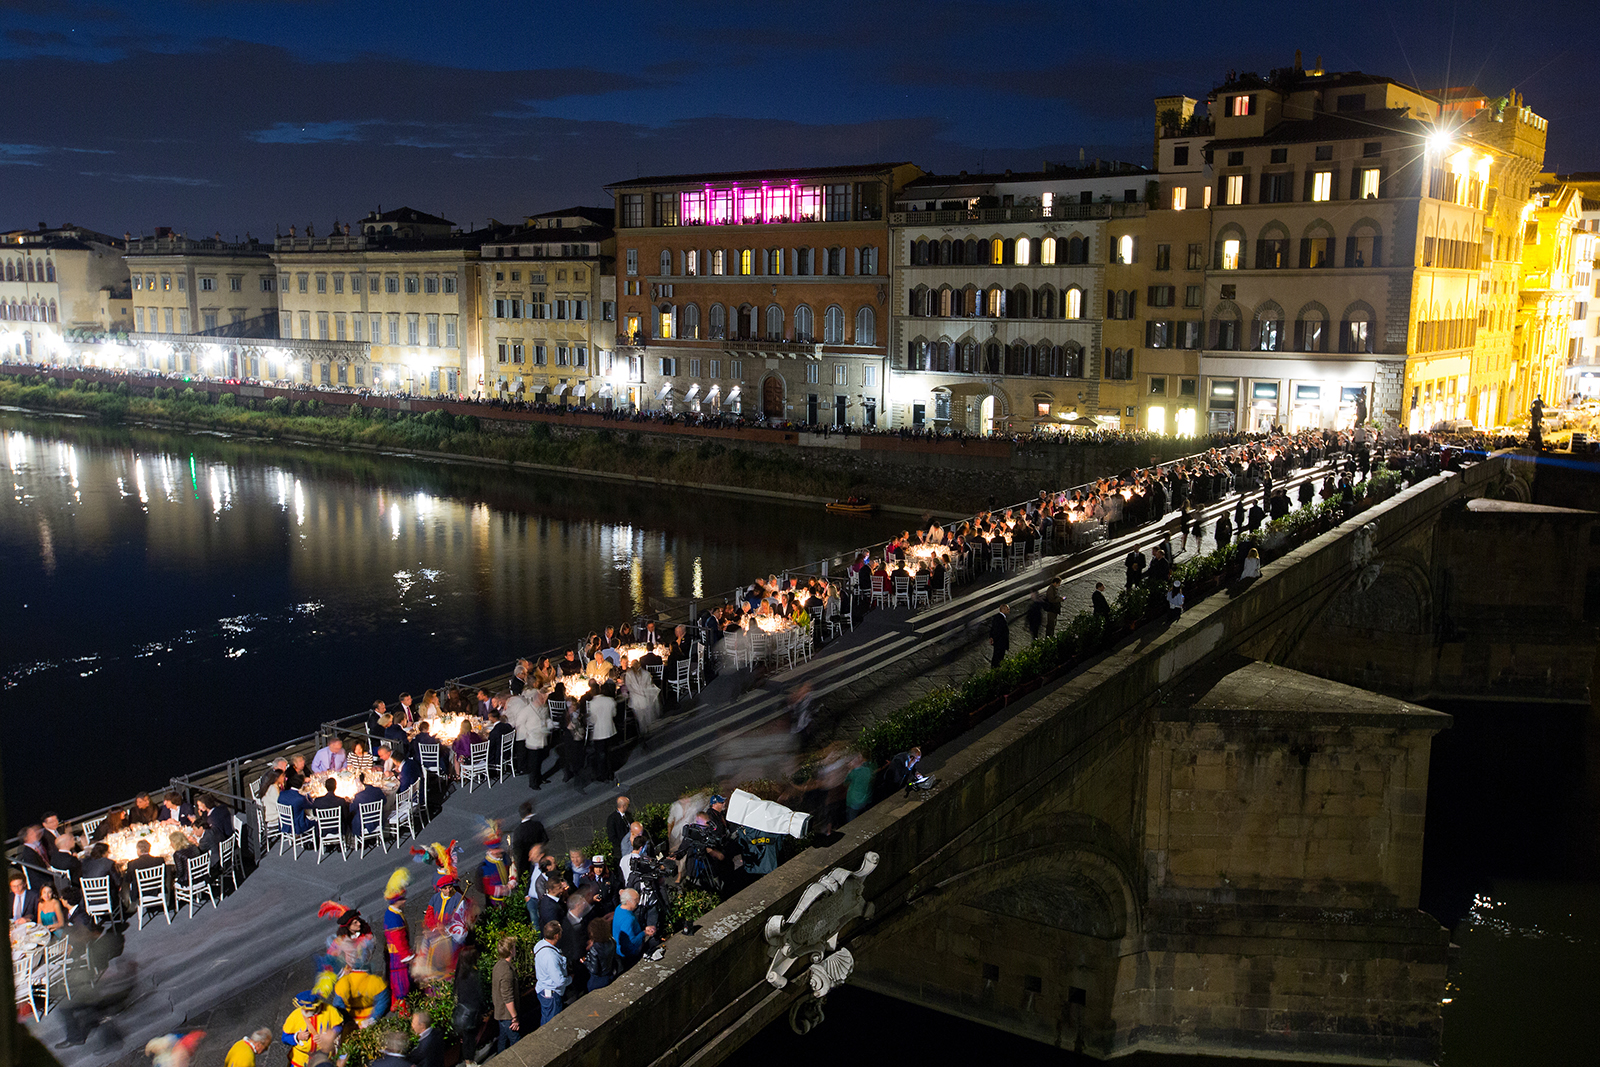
column 1180, row 198
column 1235, row 189
column 718, row 263
column 1230, row 254
column 1073, row 304
column 746, row 261
column 1240, row 106
column 1205, row 202
column 1322, row 185
column 1369, row 183
column 1047, row 251
column 1125, row 249
column 1024, row 252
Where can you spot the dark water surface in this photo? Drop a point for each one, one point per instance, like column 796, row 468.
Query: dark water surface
column 168, row 601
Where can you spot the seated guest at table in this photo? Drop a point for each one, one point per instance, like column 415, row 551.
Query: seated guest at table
column 218, row 822
column 609, row 638
column 409, row 772
column 299, row 806
column 405, row 715
column 462, row 745
column 332, row 801
column 143, row 811
column 50, row 825
column 297, row 771
column 272, row 786
column 24, row 901
column 395, row 734
column 521, row 676
column 570, row 664
column 501, row 735
column 174, row 809
column 368, row 794
column 33, row 858
column 62, row 859
column 483, row 705
column 599, row 668
column 358, row 759
column 546, row 674
column 144, row 860
column 183, row 850
column 329, row 758
column 98, row 864
column 649, row 638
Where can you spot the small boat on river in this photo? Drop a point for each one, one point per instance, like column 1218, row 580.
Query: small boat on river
column 853, row 505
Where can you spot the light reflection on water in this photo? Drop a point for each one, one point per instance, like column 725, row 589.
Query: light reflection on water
column 244, row 593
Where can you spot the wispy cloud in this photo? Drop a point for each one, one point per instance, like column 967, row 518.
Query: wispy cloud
column 146, row 179
column 309, row 133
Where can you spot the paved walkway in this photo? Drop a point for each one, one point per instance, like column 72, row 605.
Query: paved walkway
column 234, row 967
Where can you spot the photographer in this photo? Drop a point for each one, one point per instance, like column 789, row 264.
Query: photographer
column 704, row 855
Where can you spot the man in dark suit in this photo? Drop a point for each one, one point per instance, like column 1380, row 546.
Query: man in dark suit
column 331, row 801
column 63, row 860
column 367, row 794
column 617, row 824
column 98, row 864
column 1101, row 606
column 395, row 734
column 34, row 858
column 23, row 900
column 430, row 1044
column 296, row 802
column 49, row 826
column 218, row 823
column 502, row 735
column 553, row 904
column 529, row 832
column 141, row 862
column 1000, row 634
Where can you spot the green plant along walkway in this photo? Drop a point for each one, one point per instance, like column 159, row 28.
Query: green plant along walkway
column 950, row 710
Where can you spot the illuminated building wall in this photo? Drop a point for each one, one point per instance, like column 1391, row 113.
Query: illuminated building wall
column 765, row 292
column 407, row 284
column 1583, row 337
column 1544, row 317
column 999, row 296
column 549, row 321
column 56, row 280
column 183, row 286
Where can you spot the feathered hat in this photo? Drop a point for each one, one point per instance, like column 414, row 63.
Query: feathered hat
column 346, row 917
column 443, row 857
column 396, row 889
column 492, row 838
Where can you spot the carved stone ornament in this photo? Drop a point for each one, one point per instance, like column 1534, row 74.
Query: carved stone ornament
column 811, row 932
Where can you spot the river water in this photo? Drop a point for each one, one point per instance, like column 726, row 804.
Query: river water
column 169, row 600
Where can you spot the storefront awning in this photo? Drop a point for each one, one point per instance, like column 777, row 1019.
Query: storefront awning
column 711, row 394
column 733, row 394
column 665, row 389
column 560, row 390
column 605, row 390
column 694, row 391
column 582, row 389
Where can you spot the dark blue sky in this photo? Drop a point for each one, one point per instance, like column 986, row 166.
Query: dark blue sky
column 211, row 115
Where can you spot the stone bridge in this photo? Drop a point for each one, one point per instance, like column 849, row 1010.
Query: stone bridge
column 1194, row 844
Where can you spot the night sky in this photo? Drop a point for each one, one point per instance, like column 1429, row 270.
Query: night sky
column 212, row 115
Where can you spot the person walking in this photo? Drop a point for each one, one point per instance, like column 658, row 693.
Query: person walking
column 1000, row 634
column 1052, row 606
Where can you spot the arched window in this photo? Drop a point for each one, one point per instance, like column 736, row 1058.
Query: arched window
column 30, row 271
column 944, row 361
column 747, row 322
column 867, row 326
column 1119, row 364
column 1073, row 367
column 969, row 358
column 946, row 303
column 917, row 355
column 1053, row 358
column 997, row 251
column 1044, row 303
column 1015, row 358
column 833, row 325
column 690, row 326
column 1072, row 303
column 49, row 271
column 944, row 252
column 997, row 303
column 11, row 271
column 1125, row 248
column 666, row 262
column 1077, row 250
column 1019, row 303
column 1047, row 252
column 804, row 327
column 919, row 254
column 977, row 252
column 971, row 305
column 719, row 322
column 991, row 359
column 1008, row 251
column 774, row 322
column 1225, row 328
column 664, row 328
column 1266, row 329
column 1024, row 252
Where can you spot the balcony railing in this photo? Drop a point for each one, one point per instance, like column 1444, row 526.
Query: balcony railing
column 1115, row 209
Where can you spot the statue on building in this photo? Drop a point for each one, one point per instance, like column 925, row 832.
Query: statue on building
column 1536, row 423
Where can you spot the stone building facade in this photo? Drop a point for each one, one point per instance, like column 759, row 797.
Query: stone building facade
column 57, row 281
column 403, row 290
column 550, row 309
column 762, row 292
column 209, row 286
